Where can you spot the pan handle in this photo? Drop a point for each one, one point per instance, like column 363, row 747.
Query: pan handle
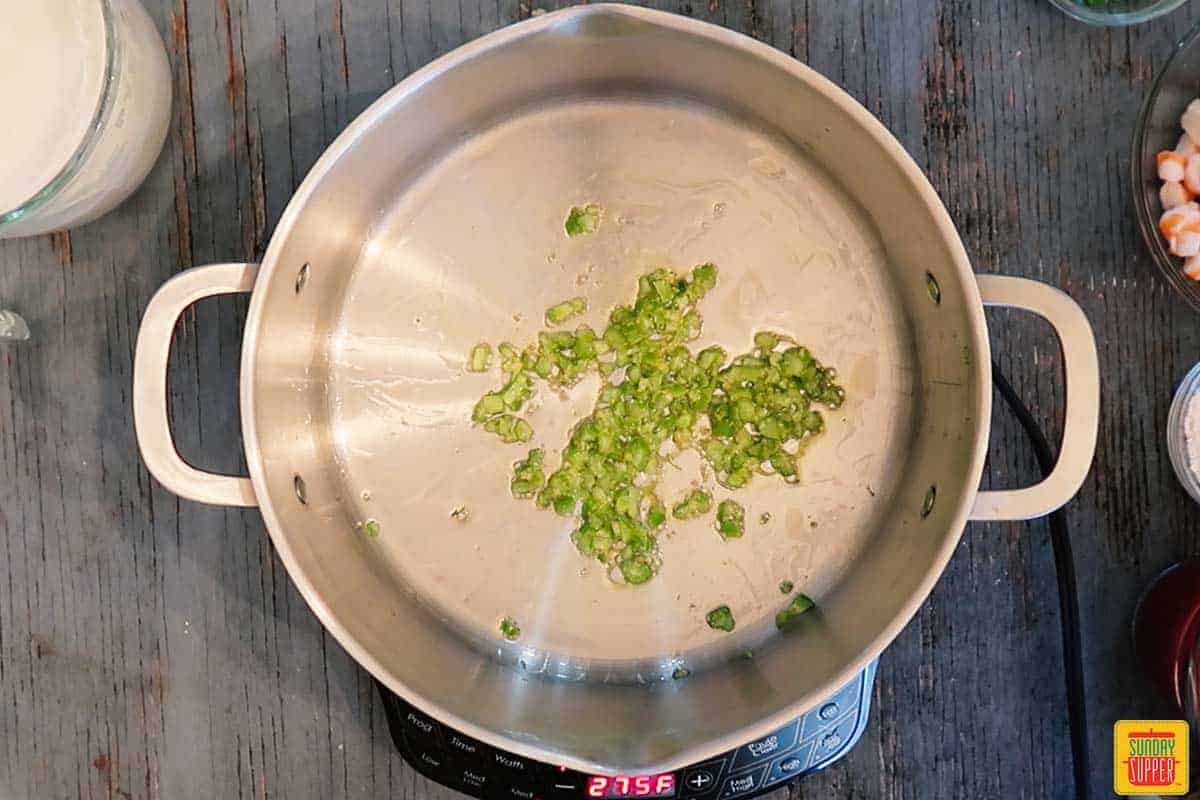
column 150, row 385
column 1082, row 370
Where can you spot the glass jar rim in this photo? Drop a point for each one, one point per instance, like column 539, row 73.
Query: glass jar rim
column 104, row 104
column 1112, row 19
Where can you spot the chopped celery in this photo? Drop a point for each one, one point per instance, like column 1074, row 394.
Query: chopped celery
column 582, row 219
column 510, row 359
column 528, row 477
column 561, row 312
column 720, row 619
column 509, row 629
column 656, row 515
column 787, row 618
column 749, row 414
column 731, row 519
column 481, row 357
column 695, row 503
column 636, row 571
column 785, row 587
column 509, row 428
column 517, row 392
column 488, row 405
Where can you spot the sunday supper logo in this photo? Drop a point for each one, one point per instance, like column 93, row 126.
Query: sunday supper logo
column 1150, row 757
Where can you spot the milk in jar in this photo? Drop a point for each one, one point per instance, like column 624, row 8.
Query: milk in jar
column 88, row 92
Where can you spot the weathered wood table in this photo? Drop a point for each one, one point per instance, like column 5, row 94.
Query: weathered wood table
column 151, row 647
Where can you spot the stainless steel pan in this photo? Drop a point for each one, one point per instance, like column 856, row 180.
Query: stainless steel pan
column 435, row 221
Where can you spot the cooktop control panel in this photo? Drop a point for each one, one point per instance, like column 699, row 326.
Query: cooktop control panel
column 805, row 745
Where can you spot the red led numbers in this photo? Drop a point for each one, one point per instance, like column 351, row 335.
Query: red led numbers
column 622, row 786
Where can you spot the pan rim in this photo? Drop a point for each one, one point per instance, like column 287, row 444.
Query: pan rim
column 940, row 217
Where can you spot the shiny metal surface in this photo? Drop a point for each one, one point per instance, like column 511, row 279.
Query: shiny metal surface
column 441, row 270
column 435, row 221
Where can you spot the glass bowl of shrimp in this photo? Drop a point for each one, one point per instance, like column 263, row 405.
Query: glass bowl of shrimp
column 1166, row 169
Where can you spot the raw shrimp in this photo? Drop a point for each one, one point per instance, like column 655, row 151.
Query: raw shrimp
column 1179, row 171
column 1180, row 226
column 1176, row 219
column 1191, row 174
column 1171, row 166
column 1186, row 243
column 1173, row 195
column 1191, row 268
column 1190, row 121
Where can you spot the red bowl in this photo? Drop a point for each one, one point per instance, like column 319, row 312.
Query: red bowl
column 1166, row 626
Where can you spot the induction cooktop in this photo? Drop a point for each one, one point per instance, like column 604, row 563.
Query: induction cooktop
column 805, row 745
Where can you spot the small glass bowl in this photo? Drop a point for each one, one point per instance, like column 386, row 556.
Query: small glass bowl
column 1177, row 84
column 1116, row 12
column 1177, row 438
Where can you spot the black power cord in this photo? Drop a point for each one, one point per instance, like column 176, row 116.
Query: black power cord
column 1068, row 599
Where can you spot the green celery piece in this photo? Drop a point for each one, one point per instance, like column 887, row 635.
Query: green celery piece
column 528, row 477
column 720, row 619
column 561, row 312
column 742, row 415
column 694, row 503
column 636, row 572
column 481, row 357
column 509, row 629
column 582, row 219
column 731, row 519
column 786, row 619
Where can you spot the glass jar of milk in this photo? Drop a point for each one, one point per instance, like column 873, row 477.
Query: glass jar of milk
column 87, row 93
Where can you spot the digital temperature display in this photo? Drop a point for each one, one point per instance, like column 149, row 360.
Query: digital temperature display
column 631, row 785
